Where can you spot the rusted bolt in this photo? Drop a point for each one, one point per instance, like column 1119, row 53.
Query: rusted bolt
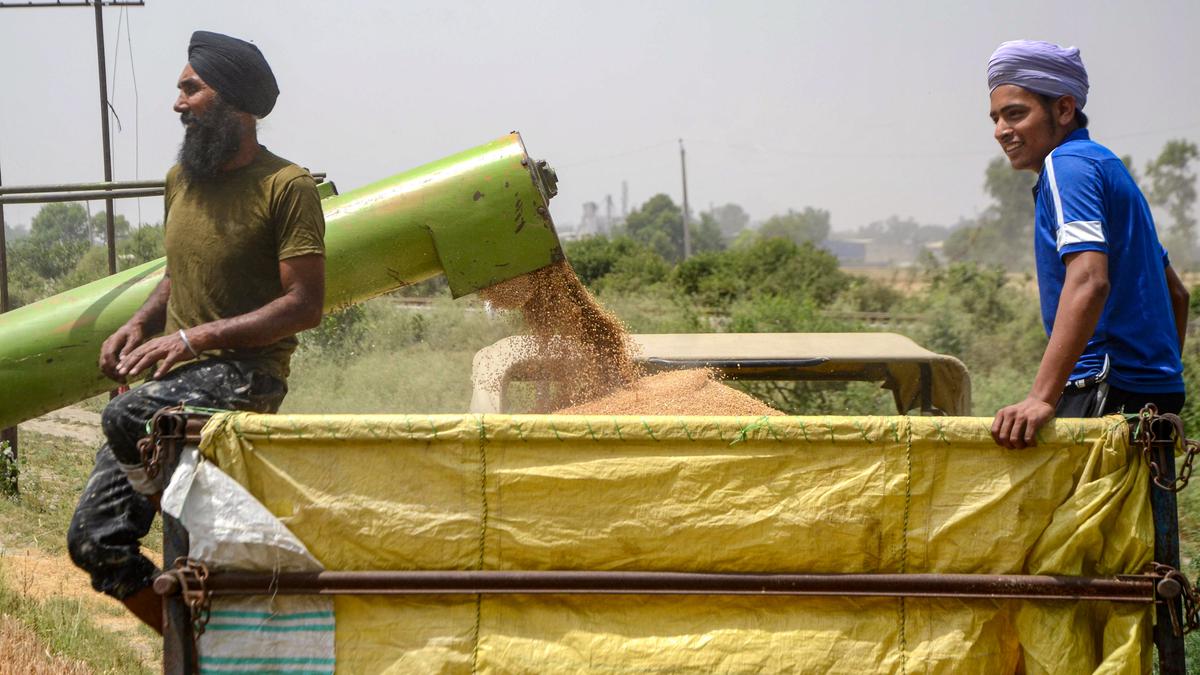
column 1169, row 589
column 524, row 161
column 166, row 584
column 542, row 211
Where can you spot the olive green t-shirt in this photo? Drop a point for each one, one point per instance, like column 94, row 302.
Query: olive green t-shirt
column 224, row 240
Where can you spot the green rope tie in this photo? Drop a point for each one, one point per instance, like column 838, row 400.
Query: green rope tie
column 649, row 430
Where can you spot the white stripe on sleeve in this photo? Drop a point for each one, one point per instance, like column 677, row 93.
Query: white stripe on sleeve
column 1076, row 231
column 1079, row 232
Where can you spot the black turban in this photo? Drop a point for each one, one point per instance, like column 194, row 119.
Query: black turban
column 236, row 69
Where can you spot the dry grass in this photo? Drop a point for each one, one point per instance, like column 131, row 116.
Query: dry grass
column 44, row 600
column 24, row 654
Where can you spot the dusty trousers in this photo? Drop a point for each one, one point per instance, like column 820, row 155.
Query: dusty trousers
column 104, row 538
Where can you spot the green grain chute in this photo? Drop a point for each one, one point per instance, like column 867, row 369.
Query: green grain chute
column 479, row 217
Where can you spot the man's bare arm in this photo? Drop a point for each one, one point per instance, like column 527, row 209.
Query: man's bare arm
column 1180, row 303
column 1080, row 304
column 147, row 321
column 297, row 309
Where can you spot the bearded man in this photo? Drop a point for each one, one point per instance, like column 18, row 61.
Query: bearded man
column 244, row 236
column 1114, row 309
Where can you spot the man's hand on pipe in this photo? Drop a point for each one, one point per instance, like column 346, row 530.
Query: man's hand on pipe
column 166, row 351
column 117, row 347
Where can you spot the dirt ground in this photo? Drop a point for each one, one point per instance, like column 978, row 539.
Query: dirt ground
column 42, row 576
column 70, row 422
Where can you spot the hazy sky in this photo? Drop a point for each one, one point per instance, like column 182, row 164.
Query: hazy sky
column 864, row 108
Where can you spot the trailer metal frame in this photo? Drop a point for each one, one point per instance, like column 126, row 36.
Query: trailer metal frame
column 187, row 586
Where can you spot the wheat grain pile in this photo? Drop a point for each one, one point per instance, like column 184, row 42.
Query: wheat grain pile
column 584, row 351
column 678, row 392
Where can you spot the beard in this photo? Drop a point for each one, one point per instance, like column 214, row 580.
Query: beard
column 210, row 140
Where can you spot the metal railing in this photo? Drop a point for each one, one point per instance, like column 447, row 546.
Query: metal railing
column 106, row 191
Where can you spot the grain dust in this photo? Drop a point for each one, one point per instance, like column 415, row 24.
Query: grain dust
column 580, row 347
column 585, row 353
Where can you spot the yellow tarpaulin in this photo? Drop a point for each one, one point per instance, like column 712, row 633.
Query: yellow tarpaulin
column 707, row 494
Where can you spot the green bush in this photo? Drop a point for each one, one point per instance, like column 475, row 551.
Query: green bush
column 781, row 314
column 619, row 264
column 436, row 286
column 142, row 245
column 340, row 334
column 388, row 357
column 868, row 295
column 980, row 316
column 1191, row 384
column 9, row 470
column 765, row 266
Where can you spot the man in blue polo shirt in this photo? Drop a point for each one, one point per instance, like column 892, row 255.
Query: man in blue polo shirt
column 1114, row 310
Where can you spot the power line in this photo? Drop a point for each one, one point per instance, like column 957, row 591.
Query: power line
column 1134, row 134
column 618, row 155
column 105, row 105
column 137, row 125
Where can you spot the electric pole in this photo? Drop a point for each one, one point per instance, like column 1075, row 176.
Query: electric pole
column 687, row 234
column 110, row 230
column 110, row 234
column 8, row 456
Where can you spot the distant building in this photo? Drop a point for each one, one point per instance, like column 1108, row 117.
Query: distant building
column 848, row 251
column 890, row 253
column 937, row 250
column 591, row 223
column 879, row 253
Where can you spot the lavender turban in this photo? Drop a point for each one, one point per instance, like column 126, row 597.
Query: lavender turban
column 1041, row 67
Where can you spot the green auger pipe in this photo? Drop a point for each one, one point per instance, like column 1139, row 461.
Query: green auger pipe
column 479, row 217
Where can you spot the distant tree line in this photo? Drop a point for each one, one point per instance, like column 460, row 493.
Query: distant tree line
column 64, row 248
column 1000, row 235
column 1003, row 233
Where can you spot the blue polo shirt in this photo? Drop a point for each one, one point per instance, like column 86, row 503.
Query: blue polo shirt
column 1087, row 201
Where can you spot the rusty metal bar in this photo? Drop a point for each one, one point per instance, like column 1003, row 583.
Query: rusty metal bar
column 15, row 197
column 77, row 3
column 107, row 195
column 103, row 185
column 1172, row 656
column 80, row 187
column 1131, row 589
column 179, row 645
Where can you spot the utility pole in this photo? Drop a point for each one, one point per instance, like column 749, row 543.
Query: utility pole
column 8, row 460
column 110, row 230
column 3, row 258
column 624, row 199
column 8, row 457
column 110, row 235
column 687, row 234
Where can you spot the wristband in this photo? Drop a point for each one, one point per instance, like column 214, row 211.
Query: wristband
column 188, row 344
